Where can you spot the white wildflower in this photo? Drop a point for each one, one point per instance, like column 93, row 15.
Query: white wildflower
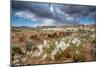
column 79, row 42
column 27, row 53
column 24, row 59
column 15, row 61
column 61, row 45
column 30, row 52
column 36, row 54
column 23, row 50
column 56, row 42
column 46, row 44
column 77, row 52
column 40, row 47
column 53, row 54
column 69, row 41
column 44, row 56
column 67, row 45
column 17, row 56
column 76, row 41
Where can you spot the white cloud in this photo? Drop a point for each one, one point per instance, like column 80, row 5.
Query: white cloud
column 70, row 18
column 26, row 14
column 46, row 22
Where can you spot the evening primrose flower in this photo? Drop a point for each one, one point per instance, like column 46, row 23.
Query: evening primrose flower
column 62, row 45
column 15, row 61
column 79, row 42
column 38, row 52
column 17, row 56
column 23, row 50
column 76, row 41
column 40, row 47
column 24, row 59
column 27, row 53
column 46, row 44
column 30, row 53
column 53, row 54
column 77, row 52
column 67, row 45
column 56, row 42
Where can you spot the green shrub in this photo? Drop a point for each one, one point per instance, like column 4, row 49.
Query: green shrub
column 76, row 53
column 49, row 49
column 58, row 56
column 16, row 50
column 93, row 41
column 29, row 45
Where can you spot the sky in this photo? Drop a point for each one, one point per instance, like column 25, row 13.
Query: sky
column 33, row 14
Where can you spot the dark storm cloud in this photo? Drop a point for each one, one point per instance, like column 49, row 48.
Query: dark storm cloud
column 40, row 9
column 59, row 12
column 75, row 9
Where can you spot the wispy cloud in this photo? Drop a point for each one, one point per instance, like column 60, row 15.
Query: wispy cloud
column 46, row 22
column 26, row 14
